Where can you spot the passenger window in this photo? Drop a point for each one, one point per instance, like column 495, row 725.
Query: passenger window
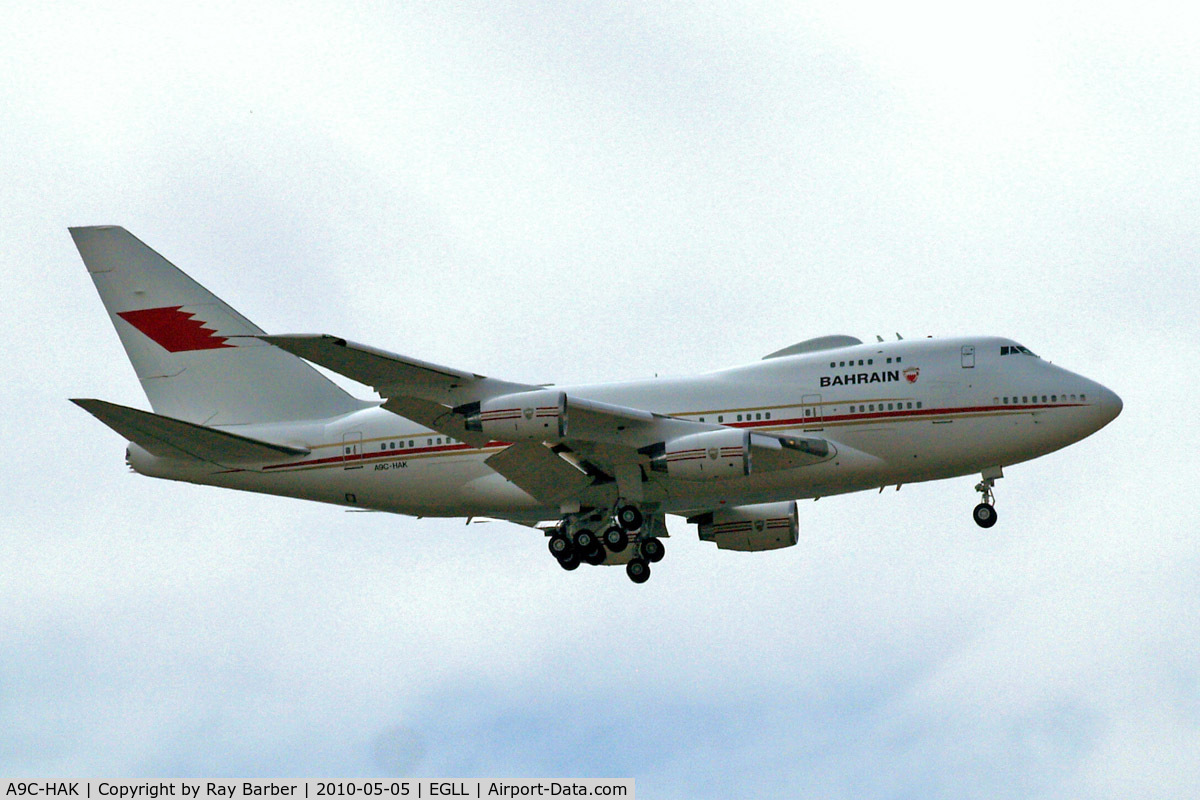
column 910, row 405
column 918, row 404
column 1083, row 397
column 758, row 416
column 1024, row 399
column 768, row 415
column 871, row 407
column 410, row 442
column 897, row 359
column 889, row 361
column 720, row 418
column 428, row 442
column 347, row 451
column 739, row 419
column 1053, row 398
column 1043, row 398
column 870, row 361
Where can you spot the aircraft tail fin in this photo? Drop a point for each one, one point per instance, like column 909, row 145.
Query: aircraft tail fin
column 196, row 357
column 172, row 438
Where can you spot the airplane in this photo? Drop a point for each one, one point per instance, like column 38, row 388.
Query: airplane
column 595, row 467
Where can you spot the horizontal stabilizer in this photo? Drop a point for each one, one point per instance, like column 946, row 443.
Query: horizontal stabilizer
column 167, row 437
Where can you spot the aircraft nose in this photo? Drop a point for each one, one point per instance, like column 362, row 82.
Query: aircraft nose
column 1108, row 404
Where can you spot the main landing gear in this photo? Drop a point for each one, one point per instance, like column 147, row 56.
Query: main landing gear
column 625, row 537
column 985, row 513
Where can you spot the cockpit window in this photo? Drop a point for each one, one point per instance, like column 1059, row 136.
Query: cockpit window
column 1016, row 349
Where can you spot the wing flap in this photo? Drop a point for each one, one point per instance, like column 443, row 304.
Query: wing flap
column 544, row 475
column 774, row 452
column 167, row 437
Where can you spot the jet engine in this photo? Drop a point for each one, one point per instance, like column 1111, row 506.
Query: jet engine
column 704, row 456
column 764, row 526
column 539, row 416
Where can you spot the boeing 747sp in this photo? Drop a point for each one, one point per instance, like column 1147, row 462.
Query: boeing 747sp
column 594, row 467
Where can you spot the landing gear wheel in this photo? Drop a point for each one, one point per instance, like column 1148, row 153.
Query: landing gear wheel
column 597, row 555
column 637, row 570
column 560, row 546
column 616, row 539
column 652, row 550
column 585, row 540
column 569, row 561
column 629, row 517
column 985, row 515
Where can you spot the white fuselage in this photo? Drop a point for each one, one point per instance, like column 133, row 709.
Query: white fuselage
column 896, row 412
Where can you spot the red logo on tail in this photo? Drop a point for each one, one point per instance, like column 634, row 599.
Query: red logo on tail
column 174, row 329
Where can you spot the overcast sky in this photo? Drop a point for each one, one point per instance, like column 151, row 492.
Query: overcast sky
column 567, row 192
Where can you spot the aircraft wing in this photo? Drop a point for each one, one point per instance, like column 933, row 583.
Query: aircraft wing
column 607, row 435
column 418, row 390
column 602, row 440
column 394, row 375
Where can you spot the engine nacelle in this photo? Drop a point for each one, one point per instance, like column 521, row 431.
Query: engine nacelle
column 764, row 526
column 539, row 416
column 705, row 456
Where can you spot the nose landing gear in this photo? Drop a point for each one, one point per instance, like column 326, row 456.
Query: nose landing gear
column 985, row 513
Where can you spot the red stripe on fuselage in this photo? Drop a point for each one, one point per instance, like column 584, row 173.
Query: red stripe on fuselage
column 683, row 455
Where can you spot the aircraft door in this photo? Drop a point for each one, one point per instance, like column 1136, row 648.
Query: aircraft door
column 352, row 451
column 968, row 356
column 810, row 410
